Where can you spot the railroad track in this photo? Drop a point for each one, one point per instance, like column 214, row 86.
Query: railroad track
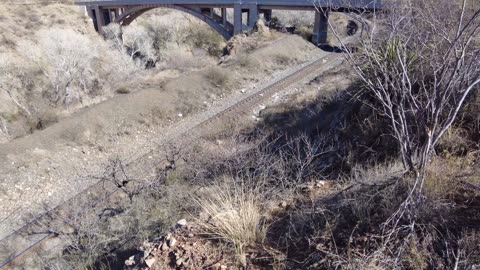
column 58, row 220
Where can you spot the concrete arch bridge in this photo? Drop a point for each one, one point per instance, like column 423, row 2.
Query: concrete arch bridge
column 214, row 12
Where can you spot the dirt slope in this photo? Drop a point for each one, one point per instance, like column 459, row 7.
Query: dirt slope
column 43, row 169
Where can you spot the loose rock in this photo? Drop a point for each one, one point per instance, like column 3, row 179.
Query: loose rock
column 130, row 261
column 172, row 242
column 182, row 222
column 149, row 262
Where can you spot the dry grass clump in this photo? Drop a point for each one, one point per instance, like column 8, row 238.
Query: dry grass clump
column 234, row 216
column 122, row 90
column 449, row 176
column 217, row 76
column 247, row 61
column 282, row 59
column 205, row 38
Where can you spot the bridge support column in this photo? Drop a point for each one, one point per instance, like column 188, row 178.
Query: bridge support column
column 107, row 16
column 110, row 16
column 252, row 15
column 320, row 28
column 224, row 16
column 237, row 19
column 238, row 10
column 267, row 15
column 98, row 18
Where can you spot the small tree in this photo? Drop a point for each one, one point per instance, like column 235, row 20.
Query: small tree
column 67, row 59
column 11, row 81
column 132, row 41
column 160, row 34
column 419, row 64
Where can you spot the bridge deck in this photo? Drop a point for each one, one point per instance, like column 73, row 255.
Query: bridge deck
column 123, row 12
column 266, row 4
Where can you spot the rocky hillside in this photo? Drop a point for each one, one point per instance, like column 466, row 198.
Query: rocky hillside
column 370, row 163
column 38, row 85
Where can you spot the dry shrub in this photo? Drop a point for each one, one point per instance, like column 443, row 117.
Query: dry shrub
column 201, row 36
column 46, row 118
column 454, row 142
column 67, row 60
column 233, row 215
column 217, row 76
column 122, row 90
column 344, row 229
column 295, row 18
column 247, row 62
column 471, row 118
column 304, row 31
column 282, row 59
column 444, row 176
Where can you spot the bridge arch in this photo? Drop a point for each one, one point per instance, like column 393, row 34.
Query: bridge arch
column 124, row 12
column 215, row 21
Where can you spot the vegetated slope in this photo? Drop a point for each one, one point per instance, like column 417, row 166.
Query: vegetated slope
column 22, row 102
column 316, row 193
column 39, row 87
column 319, row 182
column 69, row 155
column 53, row 63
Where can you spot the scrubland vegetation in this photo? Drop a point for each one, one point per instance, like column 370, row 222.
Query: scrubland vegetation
column 381, row 174
column 54, row 68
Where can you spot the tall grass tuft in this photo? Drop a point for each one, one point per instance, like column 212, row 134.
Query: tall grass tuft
column 234, row 216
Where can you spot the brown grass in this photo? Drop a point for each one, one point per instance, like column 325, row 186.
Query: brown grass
column 217, row 76
column 234, row 216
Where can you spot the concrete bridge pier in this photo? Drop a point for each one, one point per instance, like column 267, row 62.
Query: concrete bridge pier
column 223, row 12
column 237, row 19
column 267, row 15
column 320, row 28
column 252, row 17
column 98, row 18
column 102, row 17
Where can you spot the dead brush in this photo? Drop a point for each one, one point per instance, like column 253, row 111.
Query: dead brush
column 233, row 215
column 217, row 77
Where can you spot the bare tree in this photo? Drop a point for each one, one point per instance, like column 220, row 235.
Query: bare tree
column 299, row 155
column 10, row 81
column 67, row 60
column 419, row 63
column 132, row 41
